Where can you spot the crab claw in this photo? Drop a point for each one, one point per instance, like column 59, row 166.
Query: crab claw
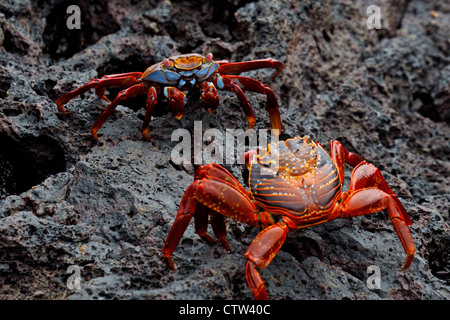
column 209, row 97
column 176, row 101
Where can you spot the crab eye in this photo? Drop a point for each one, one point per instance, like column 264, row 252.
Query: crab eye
column 167, row 63
column 209, row 57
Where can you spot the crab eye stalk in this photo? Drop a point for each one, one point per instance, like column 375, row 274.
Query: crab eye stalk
column 167, row 63
column 209, row 57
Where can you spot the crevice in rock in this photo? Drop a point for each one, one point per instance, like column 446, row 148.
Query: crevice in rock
column 95, row 19
column 27, row 162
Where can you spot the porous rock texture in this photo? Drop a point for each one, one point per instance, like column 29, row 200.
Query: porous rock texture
column 106, row 206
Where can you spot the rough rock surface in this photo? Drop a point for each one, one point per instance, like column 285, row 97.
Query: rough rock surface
column 107, row 206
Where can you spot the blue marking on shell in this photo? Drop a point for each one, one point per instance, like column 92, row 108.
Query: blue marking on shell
column 163, row 77
column 207, row 72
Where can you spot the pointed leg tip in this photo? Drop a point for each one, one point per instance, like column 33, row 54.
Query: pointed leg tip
column 408, row 261
column 169, row 262
column 94, row 135
column 146, row 136
column 226, row 245
column 61, row 107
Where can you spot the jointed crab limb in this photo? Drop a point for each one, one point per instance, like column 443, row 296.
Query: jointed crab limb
column 135, row 90
column 240, row 84
column 201, row 218
column 184, row 216
column 340, row 156
column 152, row 96
column 209, row 96
column 220, row 229
column 249, row 84
column 369, row 193
column 116, row 80
column 239, row 67
column 367, row 175
column 371, row 200
column 219, row 172
column 201, row 215
column 176, row 101
column 226, row 83
column 245, row 105
column 226, row 200
column 260, row 253
column 210, row 196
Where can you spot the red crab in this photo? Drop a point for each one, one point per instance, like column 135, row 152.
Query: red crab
column 181, row 73
column 293, row 184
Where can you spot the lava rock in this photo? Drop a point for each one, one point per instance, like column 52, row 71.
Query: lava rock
column 105, row 207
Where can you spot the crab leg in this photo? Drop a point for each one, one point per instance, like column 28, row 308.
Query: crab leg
column 150, row 108
column 238, row 84
column 219, row 172
column 340, row 156
column 249, row 84
column 209, row 195
column 116, row 80
column 367, row 181
column 185, row 213
column 135, row 90
column 201, row 216
column 245, row 105
column 209, row 96
column 220, row 229
column 260, row 253
column 176, row 101
column 371, row 200
column 367, row 175
column 222, row 62
column 239, row 67
column 370, row 193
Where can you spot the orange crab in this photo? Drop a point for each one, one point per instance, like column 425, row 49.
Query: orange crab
column 181, row 73
column 293, row 184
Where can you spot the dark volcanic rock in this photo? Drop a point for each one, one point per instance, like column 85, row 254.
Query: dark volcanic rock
column 106, row 206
